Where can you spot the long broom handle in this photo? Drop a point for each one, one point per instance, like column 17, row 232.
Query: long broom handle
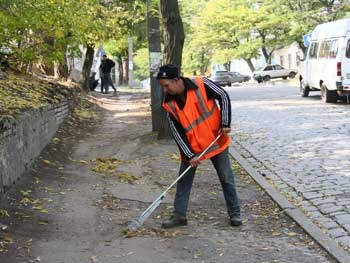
column 162, row 195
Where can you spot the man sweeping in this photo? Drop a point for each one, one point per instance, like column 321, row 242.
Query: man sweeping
column 195, row 120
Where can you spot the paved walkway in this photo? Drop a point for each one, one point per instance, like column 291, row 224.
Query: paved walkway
column 96, row 176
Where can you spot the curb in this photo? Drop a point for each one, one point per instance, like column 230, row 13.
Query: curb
column 330, row 245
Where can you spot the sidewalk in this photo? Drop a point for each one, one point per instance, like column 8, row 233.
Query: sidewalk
column 96, row 176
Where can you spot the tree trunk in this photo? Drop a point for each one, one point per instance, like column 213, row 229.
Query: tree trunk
column 266, row 55
column 121, row 73
column 63, row 71
column 174, row 38
column 89, row 58
column 173, row 34
column 125, row 71
column 154, row 47
column 250, row 64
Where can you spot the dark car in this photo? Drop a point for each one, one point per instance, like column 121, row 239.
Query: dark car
column 238, row 77
column 221, row 77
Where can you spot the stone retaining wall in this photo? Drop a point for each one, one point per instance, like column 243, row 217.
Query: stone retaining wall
column 22, row 140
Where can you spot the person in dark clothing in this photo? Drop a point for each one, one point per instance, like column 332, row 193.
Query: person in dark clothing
column 106, row 69
column 198, row 111
column 93, row 82
column 101, row 77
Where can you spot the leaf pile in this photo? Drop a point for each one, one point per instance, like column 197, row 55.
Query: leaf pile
column 20, row 93
column 108, row 167
column 153, row 232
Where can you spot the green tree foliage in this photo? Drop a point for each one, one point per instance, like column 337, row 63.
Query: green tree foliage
column 307, row 14
column 196, row 58
column 133, row 25
column 222, row 30
column 239, row 29
column 45, row 31
column 141, row 61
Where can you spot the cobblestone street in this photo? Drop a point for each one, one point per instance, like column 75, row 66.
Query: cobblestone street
column 301, row 146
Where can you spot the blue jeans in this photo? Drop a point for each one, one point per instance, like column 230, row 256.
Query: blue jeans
column 223, row 168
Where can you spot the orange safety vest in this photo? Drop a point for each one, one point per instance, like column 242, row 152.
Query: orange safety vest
column 201, row 120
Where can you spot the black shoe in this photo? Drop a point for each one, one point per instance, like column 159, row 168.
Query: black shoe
column 235, row 221
column 174, row 221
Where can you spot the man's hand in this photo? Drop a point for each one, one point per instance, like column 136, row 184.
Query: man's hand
column 226, row 130
column 194, row 162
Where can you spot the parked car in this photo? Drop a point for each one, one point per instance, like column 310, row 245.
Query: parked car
column 268, row 72
column 238, row 77
column 221, row 78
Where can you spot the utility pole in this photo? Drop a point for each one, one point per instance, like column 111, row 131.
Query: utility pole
column 131, row 63
column 154, row 48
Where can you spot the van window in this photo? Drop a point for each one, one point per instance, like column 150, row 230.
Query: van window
column 347, row 51
column 324, row 49
column 333, row 49
column 313, row 50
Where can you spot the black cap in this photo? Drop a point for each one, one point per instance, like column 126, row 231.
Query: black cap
column 168, row 71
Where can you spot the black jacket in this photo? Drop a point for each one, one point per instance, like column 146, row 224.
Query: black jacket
column 107, row 65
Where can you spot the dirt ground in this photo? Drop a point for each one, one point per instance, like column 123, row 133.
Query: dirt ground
column 96, row 176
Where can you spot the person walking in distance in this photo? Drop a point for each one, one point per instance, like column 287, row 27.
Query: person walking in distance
column 195, row 120
column 106, row 69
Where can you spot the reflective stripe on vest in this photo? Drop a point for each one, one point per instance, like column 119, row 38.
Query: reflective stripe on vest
column 205, row 114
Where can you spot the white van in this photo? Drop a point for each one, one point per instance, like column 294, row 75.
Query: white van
column 326, row 66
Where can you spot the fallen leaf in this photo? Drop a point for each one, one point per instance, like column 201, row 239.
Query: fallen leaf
column 46, row 161
column 4, row 213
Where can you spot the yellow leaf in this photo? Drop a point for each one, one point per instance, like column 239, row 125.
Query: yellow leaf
column 292, row 234
column 4, row 213
column 25, row 201
column 46, row 161
column 47, row 189
column 43, row 222
column 275, row 233
column 25, row 193
column 8, row 239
